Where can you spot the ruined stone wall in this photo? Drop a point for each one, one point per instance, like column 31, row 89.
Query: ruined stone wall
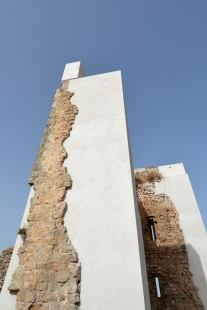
column 5, row 258
column 166, row 256
column 48, row 276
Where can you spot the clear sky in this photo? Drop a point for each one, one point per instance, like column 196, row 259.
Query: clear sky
column 159, row 45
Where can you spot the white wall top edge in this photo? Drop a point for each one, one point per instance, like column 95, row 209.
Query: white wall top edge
column 168, row 170
column 73, row 70
column 175, row 169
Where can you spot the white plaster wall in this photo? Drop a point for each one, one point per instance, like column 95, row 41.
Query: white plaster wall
column 101, row 220
column 73, row 70
column 177, row 186
column 8, row 300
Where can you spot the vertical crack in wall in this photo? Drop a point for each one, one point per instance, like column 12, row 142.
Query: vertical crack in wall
column 166, row 256
column 48, row 275
column 5, row 258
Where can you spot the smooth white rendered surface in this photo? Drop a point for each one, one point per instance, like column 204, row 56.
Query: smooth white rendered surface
column 8, row 300
column 176, row 185
column 101, row 220
column 73, row 71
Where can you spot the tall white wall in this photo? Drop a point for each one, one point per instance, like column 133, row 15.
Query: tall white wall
column 177, row 186
column 101, row 220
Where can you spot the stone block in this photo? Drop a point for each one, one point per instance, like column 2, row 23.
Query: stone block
column 63, row 276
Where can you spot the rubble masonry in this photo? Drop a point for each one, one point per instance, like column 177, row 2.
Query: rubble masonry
column 166, row 256
column 48, row 275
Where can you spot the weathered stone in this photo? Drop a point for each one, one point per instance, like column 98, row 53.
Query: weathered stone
column 30, row 296
column 73, row 298
column 73, row 257
column 63, row 276
column 68, row 307
column 44, row 271
column 166, row 255
column 72, row 307
column 61, row 297
column 50, row 296
column 37, row 307
column 72, row 286
column 64, row 258
column 5, row 258
column 51, row 287
column 59, row 210
column 54, row 305
column 14, row 287
column 20, row 296
column 27, row 306
column 41, row 286
column 74, row 269
column 41, row 297
column 32, row 287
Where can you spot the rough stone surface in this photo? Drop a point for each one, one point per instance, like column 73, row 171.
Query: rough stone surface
column 48, row 276
column 5, row 258
column 166, row 256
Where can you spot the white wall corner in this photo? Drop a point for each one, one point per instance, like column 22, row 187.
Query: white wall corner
column 73, row 70
column 170, row 170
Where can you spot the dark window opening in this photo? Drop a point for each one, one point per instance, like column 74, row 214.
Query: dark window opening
column 152, row 229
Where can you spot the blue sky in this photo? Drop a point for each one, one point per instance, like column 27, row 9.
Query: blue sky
column 159, row 45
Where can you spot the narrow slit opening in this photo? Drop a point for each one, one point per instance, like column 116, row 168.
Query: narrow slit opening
column 157, row 287
column 152, row 229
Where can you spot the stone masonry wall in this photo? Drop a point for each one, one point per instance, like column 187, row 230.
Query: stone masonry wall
column 5, row 258
column 166, row 256
column 48, row 276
